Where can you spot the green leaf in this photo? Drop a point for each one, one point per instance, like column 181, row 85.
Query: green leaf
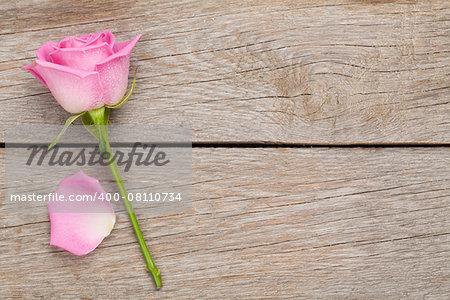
column 66, row 125
column 127, row 96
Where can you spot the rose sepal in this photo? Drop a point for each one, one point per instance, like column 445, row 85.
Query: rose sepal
column 69, row 121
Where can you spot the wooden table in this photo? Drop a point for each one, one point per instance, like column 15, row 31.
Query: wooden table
column 321, row 157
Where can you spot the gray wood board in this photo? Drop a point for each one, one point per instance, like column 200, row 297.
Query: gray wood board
column 266, row 223
column 314, row 72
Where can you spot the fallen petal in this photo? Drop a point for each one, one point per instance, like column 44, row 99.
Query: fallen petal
column 80, row 226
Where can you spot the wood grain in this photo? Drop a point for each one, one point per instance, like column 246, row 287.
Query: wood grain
column 312, row 72
column 267, row 223
column 294, row 223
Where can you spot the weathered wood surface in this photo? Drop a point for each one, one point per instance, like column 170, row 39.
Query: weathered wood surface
column 328, row 72
column 267, row 223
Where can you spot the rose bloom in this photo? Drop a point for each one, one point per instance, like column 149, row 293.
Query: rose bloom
column 84, row 72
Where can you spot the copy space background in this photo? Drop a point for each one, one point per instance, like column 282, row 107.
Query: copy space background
column 321, row 149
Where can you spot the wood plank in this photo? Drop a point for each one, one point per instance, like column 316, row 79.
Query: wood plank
column 267, row 223
column 324, row 72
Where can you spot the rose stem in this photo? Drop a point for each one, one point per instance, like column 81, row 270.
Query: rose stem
column 151, row 267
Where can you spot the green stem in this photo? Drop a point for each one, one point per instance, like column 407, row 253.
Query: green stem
column 151, row 267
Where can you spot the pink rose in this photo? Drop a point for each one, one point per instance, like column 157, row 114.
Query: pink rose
column 84, row 72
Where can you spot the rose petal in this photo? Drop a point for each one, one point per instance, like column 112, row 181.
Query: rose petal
column 30, row 69
column 120, row 45
column 73, row 41
column 45, row 50
column 84, row 58
column 75, row 90
column 86, row 37
column 114, row 72
column 79, row 227
column 102, row 37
